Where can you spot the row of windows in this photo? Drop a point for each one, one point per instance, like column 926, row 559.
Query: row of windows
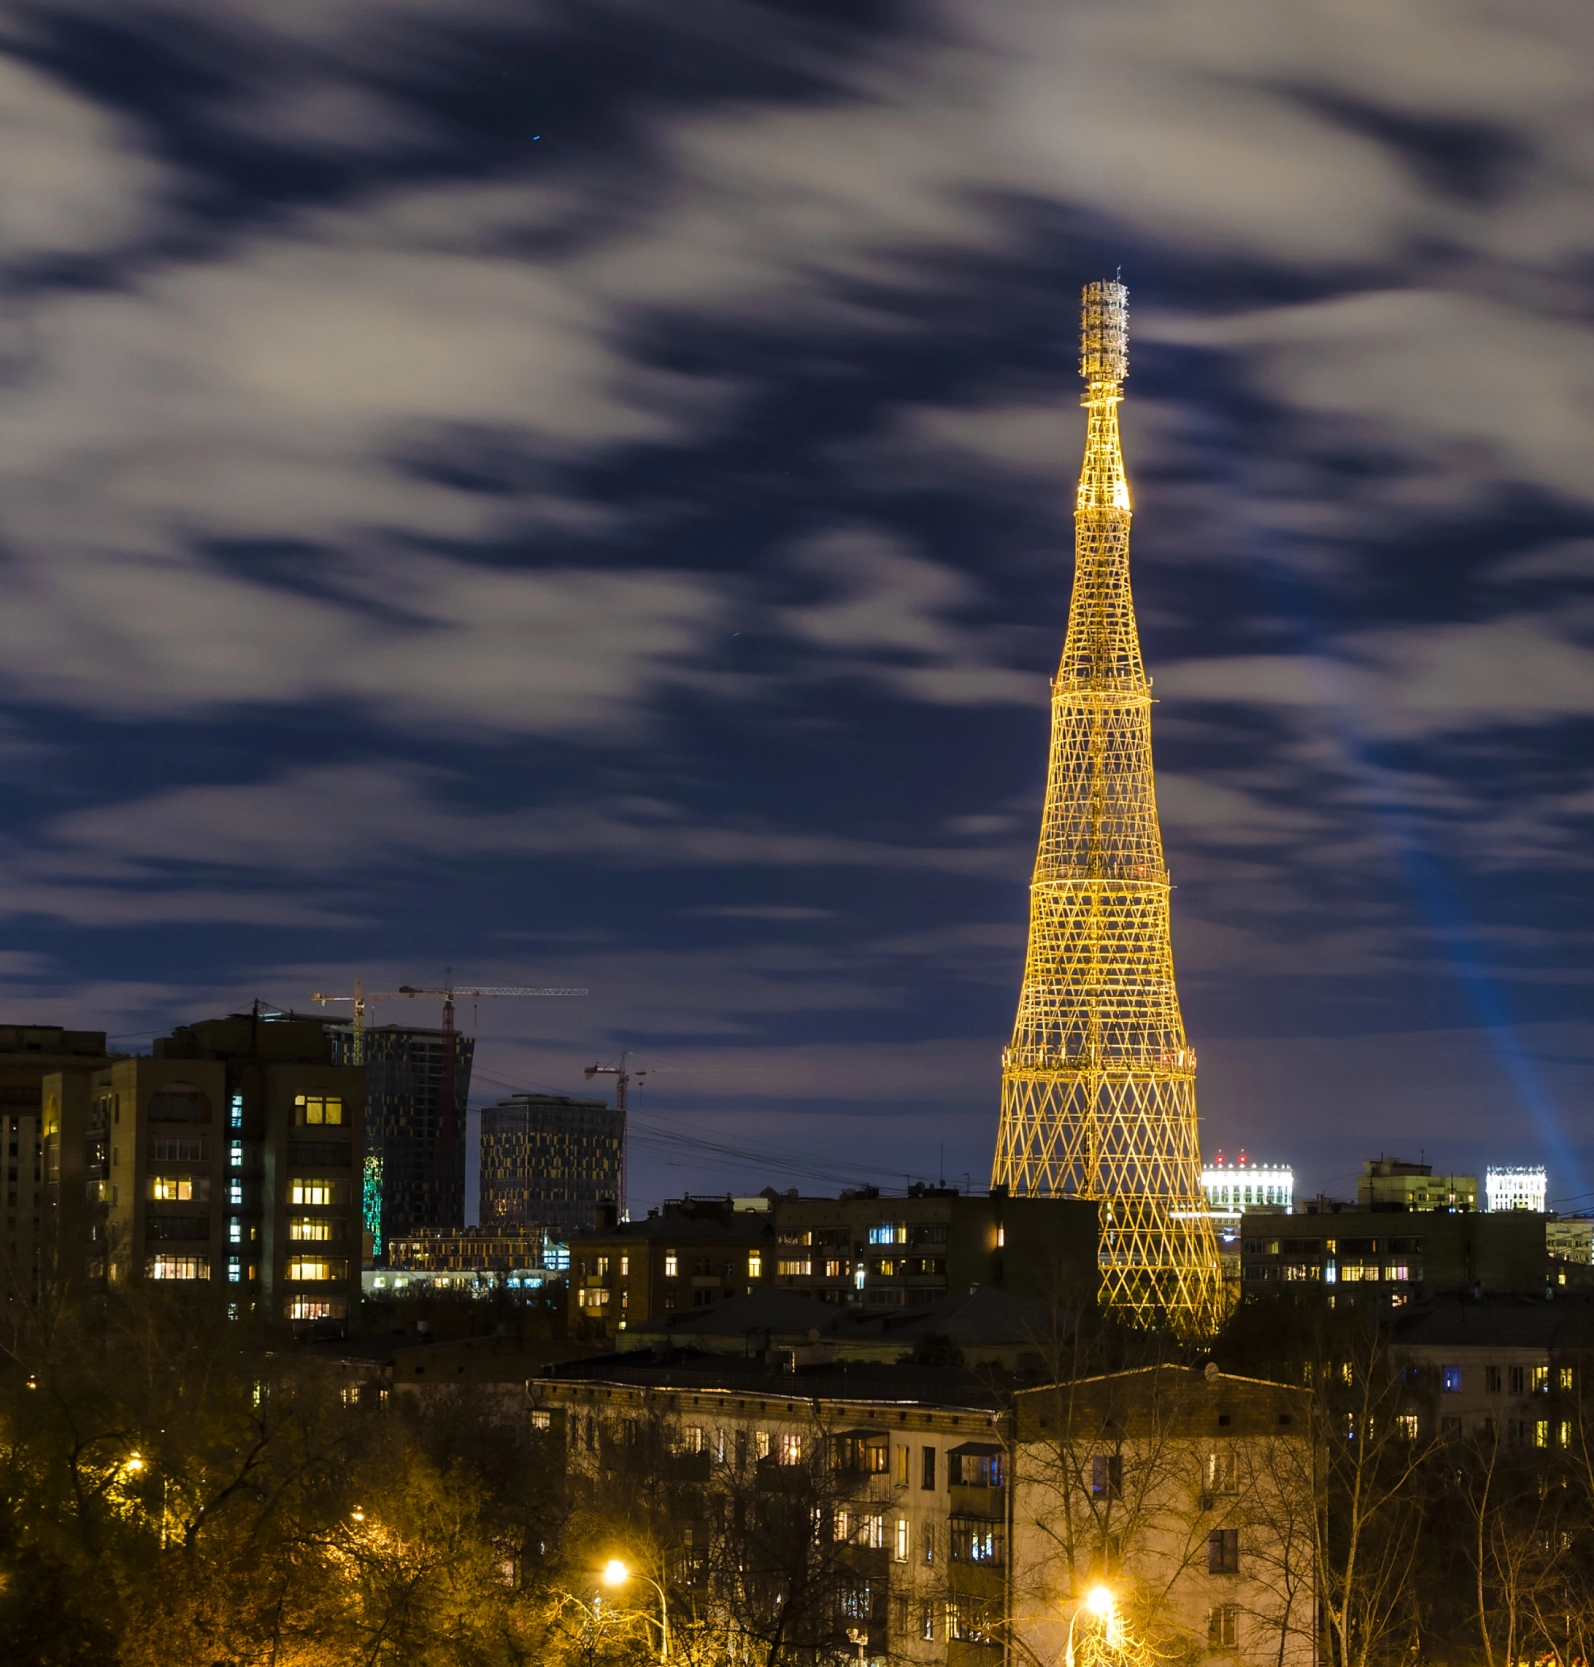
column 975, row 1540
column 1523, row 1380
column 869, row 1454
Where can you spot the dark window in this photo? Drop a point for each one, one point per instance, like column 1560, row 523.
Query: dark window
column 1518, row 1380
column 1492, row 1379
column 1223, row 1626
column 1223, row 1551
column 179, row 1103
column 928, row 1479
column 1106, row 1476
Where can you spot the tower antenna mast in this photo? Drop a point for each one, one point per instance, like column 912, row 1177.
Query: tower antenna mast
column 1098, row 1082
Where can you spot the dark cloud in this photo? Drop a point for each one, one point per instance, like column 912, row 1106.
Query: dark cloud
column 600, row 480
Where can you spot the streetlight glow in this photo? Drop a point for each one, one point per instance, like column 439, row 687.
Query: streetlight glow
column 615, row 1573
column 1098, row 1600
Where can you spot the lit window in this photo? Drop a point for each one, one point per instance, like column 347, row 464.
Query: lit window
column 1541, row 1433
column 1406, row 1425
column 841, row 1527
column 603, row 1266
column 1001, row 1237
column 755, row 1264
column 1564, row 1432
column 308, row 1191
column 317, row 1268
column 671, row 1264
column 792, row 1268
column 235, row 1270
column 975, row 1540
column 317, row 1308
column 235, row 1115
column 625, row 1266
column 317, row 1108
column 760, row 1444
column 889, row 1232
column 592, row 1299
column 1541, row 1379
column 235, row 1192
column 177, row 1267
column 1564, row 1377
column 1221, row 1471
column 858, row 1277
column 791, row 1449
column 235, row 1155
column 900, row 1545
column 313, row 1229
column 235, row 1231
column 1452, row 1379
column 178, row 1189
column 873, row 1531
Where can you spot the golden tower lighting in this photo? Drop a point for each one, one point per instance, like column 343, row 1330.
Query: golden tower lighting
column 1098, row 1085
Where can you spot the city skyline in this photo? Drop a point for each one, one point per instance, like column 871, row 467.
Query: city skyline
column 585, row 499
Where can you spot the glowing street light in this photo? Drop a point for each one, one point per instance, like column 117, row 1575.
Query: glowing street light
column 615, row 1573
column 1104, row 1606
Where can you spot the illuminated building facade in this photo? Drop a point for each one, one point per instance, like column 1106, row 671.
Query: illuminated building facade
column 1391, row 1184
column 47, row 1222
column 1516, row 1189
column 1098, row 1082
column 232, row 1160
column 1232, row 1188
column 547, row 1161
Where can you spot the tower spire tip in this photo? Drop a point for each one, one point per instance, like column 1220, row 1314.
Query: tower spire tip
column 1104, row 331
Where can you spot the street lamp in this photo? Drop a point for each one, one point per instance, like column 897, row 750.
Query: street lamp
column 615, row 1573
column 1101, row 1603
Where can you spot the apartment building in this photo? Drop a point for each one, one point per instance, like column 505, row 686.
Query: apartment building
column 951, row 1517
column 693, row 1252
column 1188, row 1496
column 34, row 1222
column 892, row 1513
column 878, row 1253
column 860, row 1252
column 231, row 1156
column 1391, row 1255
column 1506, row 1369
column 1392, row 1184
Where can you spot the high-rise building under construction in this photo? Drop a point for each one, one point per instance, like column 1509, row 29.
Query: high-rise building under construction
column 1098, row 1084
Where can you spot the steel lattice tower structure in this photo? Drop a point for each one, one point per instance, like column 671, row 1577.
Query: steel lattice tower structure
column 1098, row 1085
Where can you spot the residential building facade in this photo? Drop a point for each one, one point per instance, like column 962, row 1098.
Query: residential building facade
column 894, row 1513
column 903, row 1251
column 860, row 1251
column 1190, row 1496
column 1390, row 1184
column 1392, row 1255
column 232, row 1157
column 45, row 1228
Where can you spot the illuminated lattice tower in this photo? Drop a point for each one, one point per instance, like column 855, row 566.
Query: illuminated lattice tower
column 1098, row 1086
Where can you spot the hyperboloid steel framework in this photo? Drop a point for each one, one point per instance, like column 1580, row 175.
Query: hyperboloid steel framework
column 1098, row 1085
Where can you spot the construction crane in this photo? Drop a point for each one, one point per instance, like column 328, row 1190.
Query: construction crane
column 448, row 991
column 622, row 1074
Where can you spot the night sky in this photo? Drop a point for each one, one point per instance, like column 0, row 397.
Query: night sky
column 582, row 494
